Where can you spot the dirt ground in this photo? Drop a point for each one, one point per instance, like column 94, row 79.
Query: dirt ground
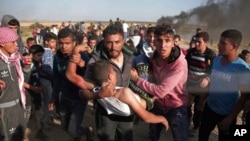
column 140, row 131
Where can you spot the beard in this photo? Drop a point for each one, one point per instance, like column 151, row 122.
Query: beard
column 113, row 53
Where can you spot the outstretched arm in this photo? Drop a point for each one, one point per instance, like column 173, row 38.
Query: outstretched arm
column 128, row 97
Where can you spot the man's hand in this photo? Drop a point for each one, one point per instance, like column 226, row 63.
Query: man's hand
column 80, row 48
column 225, row 123
column 51, row 105
column 134, row 75
column 76, row 58
column 204, row 82
column 2, row 85
column 107, row 90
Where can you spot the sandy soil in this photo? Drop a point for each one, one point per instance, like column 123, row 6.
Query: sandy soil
column 140, row 130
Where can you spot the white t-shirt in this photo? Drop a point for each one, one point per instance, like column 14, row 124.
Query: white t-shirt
column 114, row 106
column 125, row 27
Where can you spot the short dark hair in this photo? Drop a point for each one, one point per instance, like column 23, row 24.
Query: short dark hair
column 177, row 37
column 30, row 39
column 243, row 53
column 151, row 29
column 204, row 35
column 198, row 29
column 66, row 32
column 14, row 22
column 92, row 37
column 163, row 29
column 113, row 29
column 98, row 72
column 34, row 49
column 233, row 35
column 50, row 35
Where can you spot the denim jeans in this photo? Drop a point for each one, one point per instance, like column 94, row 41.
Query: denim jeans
column 72, row 112
column 178, row 122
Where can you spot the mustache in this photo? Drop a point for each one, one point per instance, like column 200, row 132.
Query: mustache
column 113, row 50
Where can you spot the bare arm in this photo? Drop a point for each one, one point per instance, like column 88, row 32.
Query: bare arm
column 128, row 97
column 71, row 70
column 225, row 123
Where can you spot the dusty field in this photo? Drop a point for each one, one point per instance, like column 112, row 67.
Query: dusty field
column 140, row 131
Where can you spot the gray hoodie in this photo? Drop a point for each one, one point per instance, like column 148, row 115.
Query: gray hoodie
column 5, row 20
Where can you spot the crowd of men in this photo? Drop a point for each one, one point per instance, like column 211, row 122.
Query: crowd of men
column 129, row 72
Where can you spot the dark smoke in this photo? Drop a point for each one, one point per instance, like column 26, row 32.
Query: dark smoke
column 217, row 16
column 225, row 14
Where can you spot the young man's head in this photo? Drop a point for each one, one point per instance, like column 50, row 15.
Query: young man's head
column 164, row 41
column 150, row 37
column 202, row 40
column 92, row 41
column 245, row 55
column 8, row 41
column 13, row 25
column 177, row 39
column 108, row 74
column 26, row 59
column 113, row 40
column 66, row 40
column 36, row 52
column 198, row 30
column 30, row 41
column 50, row 40
column 229, row 42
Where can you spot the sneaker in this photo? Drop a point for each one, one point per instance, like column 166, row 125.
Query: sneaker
column 194, row 132
column 90, row 134
column 57, row 121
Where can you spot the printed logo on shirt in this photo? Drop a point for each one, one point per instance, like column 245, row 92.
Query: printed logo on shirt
column 4, row 74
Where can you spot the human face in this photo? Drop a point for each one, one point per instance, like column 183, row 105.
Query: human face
column 247, row 57
column 164, row 45
column 113, row 44
column 225, row 46
column 14, row 28
column 151, row 40
column 200, row 45
column 85, row 40
column 92, row 43
column 37, row 57
column 30, row 43
column 66, row 45
column 9, row 48
column 51, row 44
column 176, row 41
column 27, row 59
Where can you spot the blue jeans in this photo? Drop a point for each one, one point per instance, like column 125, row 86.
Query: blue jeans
column 178, row 122
column 72, row 112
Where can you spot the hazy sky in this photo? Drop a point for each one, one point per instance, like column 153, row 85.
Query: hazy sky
column 103, row 10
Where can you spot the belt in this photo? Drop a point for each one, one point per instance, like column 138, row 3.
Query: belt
column 9, row 104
